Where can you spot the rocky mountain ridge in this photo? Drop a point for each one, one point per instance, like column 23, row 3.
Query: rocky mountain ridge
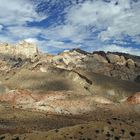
column 117, row 65
column 113, row 64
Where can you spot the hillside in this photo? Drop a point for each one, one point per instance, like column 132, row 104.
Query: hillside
column 44, row 94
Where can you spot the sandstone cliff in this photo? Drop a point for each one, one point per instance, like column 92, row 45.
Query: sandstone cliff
column 23, row 48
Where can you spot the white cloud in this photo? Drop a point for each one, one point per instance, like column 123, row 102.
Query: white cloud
column 65, row 32
column 22, row 32
column 60, row 44
column 14, row 15
column 93, row 13
column 31, row 40
column 111, row 19
column 127, row 24
column 1, row 27
column 18, row 12
column 51, row 44
column 81, row 23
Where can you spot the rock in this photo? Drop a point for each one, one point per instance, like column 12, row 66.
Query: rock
column 134, row 99
column 138, row 64
column 78, row 50
column 116, row 59
column 42, row 69
column 137, row 79
column 101, row 53
column 53, row 102
column 68, row 59
column 117, row 65
column 130, row 63
column 102, row 100
column 122, row 61
column 23, row 48
column 96, row 63
column 113, row 58
column 27, row 49
column 111, row 64
column 2, row 107
column 7, row 49
column 99, row 58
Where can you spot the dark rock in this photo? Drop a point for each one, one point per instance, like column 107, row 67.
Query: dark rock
column 132, row 134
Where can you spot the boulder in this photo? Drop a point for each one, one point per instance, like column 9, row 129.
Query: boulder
column 122, row 61
column 116, row 59
column 130, row 63
column 99, row 58
column 134, row 99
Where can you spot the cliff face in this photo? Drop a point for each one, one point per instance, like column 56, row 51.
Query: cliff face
column 117, row 65
column 23, row 48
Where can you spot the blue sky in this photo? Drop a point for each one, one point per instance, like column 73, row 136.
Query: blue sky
column 57, row 25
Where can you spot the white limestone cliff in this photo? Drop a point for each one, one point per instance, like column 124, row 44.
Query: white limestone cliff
column 23, row 48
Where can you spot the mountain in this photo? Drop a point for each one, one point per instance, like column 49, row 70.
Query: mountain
column 42, row 95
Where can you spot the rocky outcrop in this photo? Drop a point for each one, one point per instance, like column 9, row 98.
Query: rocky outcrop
column 117, row 65
column 23, row 48
column 127, row 56
column 130, row 63
column 110, row 64
column 134, row 99
column 115, row 59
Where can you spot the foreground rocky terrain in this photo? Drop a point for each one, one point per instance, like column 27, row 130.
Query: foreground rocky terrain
column 72, row 95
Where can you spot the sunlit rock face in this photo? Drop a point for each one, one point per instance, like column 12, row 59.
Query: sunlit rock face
column 23, row 48
column 134, row 99
column 26, row 48
column 69, row 59
column 117, row 65
column 116, row 59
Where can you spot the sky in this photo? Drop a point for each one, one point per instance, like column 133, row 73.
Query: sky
column 57, row 25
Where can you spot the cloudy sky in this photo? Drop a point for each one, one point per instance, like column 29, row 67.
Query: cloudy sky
column 56, row 25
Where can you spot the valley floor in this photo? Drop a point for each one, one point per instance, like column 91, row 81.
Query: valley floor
column 110, row 122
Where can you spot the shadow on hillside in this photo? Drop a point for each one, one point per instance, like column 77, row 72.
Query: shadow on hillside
column 56, row 85
column 43, row 83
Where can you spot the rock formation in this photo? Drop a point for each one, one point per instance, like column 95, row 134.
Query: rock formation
column 23, row 48
column 134, row 99
column 110, row 64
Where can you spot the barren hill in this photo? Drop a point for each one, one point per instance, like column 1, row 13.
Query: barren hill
column 75, row 86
